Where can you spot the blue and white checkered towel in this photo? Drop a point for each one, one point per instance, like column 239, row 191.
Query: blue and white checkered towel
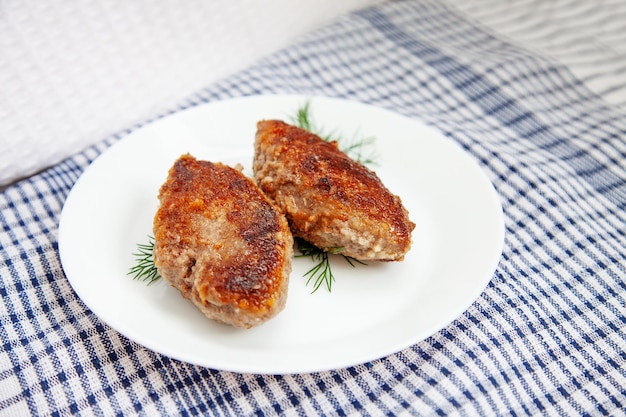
column 548, row 334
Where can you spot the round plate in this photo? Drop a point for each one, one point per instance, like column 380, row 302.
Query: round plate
column 372, row 310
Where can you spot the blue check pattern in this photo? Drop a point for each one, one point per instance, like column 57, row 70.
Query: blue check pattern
column 546, row 337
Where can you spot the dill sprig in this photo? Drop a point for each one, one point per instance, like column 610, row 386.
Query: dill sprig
column 145, row 269
column 303, row 118
column 321, row 273
column 354, row 147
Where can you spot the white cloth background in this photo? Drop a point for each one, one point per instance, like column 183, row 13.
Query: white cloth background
column 75, row 72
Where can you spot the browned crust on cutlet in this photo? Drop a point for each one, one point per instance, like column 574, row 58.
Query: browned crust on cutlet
column 328, row 198
column 222, row 243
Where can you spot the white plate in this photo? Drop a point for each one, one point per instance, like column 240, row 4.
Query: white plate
column 372, row 311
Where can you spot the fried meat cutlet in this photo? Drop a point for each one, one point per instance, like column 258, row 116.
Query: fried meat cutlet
column 329, row 200
column 222, row 243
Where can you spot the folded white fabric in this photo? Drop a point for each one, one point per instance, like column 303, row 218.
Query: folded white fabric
column 73, row 73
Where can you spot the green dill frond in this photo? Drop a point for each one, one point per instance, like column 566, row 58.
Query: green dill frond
column 358, row 150
column 145, row 269
column 354, row 148
column 302, row 118
column 321, row 273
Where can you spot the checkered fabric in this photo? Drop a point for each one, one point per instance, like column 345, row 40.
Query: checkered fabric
column 546, row 337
